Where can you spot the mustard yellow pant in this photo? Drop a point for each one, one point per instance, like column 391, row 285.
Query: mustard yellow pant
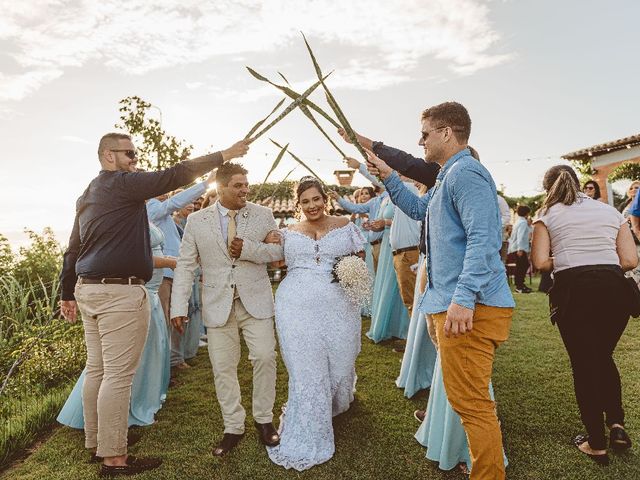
column 467, row 362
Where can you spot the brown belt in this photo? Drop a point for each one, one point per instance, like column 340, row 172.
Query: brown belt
column 375, row 242
column 406, row 249
column 112, row 281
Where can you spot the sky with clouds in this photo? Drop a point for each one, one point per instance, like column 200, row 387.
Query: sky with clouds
column 540, row 78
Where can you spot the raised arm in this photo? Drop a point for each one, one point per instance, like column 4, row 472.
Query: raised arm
column 353, row 207
column 158, row 210
column 408, row 165
column 412, row 205
column 145, row 185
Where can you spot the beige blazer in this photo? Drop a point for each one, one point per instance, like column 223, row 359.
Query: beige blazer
column 204, row 245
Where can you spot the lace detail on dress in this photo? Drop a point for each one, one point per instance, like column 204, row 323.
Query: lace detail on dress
column 319, row 333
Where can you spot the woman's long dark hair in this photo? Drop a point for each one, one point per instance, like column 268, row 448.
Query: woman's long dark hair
column 596, row 188
column 562, row 186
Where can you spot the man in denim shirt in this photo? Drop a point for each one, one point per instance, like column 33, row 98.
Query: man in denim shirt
column 467, row 295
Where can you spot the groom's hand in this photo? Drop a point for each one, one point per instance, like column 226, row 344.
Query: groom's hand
column 179, row 323
column 459, row 320
column 235, row 249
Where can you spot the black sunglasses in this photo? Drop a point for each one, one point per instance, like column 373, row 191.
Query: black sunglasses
column 129, row 153
column 425, row 134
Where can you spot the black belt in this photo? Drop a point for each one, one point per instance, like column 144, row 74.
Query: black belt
column 112, row 281
column 405, row 249
column 375, row 242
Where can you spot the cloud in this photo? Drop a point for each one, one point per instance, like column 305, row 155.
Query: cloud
column 138, row 36
column 17, row 87
column 74, row 139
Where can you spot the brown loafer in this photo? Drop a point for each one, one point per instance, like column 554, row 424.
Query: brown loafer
column 268, row 434
column 228, row 443
column 419, row 415
column 134, row 466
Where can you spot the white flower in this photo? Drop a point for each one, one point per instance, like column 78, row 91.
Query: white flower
column 354, row 277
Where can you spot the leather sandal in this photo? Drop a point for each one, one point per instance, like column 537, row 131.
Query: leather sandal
column 602, row 459
column 618, row 439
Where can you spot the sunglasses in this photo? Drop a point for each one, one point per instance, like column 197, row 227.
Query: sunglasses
column 131, row 154
column 425, row 134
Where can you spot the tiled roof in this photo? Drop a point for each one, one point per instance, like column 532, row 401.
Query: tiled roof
column 287, row 207
column 596, row 150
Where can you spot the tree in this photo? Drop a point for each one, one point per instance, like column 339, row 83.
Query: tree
column 584, row 169
column 40, row 260
column 625, row 171
column 534, row 203
column 156, row 149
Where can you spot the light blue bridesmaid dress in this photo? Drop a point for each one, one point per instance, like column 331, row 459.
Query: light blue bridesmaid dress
column 389, row 316
column 441, row 431
column 151, row 381
column 366, row 310
column 419, row 356
column 193, row 330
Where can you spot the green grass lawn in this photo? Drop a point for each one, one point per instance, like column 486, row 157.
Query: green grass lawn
column 374, row 439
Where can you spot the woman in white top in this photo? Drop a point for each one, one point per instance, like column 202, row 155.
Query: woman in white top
column 592, row 245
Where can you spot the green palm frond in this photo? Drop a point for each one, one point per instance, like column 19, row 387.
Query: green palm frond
column 299, row 160
column 293, row 94
column 297, row 102
column 334, row 104
column 257, row 125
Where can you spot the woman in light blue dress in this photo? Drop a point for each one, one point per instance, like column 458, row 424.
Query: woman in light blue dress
column 318, row 331
column 193, row 329
column 419, row 356
column 389, row 316
column 365, row 194
column 441, row 431
column 190, row 339
column 150, row 383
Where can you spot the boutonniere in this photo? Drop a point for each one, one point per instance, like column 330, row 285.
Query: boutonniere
column 245, row 214
column 438, row 182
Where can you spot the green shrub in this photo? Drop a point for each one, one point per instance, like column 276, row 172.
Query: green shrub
column 40, row 261
column 53, row 354
column 25, row 305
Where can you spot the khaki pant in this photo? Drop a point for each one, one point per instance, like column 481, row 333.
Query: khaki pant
column 467, row 362
column 116, row 321
column 375, row 253
column 402, row 263
column 224, row 352
column 175, row 337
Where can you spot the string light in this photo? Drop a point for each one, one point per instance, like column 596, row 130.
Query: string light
column 526, row 160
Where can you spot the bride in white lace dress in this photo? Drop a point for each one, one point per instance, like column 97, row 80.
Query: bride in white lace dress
column 318, row 329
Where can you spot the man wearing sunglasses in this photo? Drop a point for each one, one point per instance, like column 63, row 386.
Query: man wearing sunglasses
column 105, row 268
column 467, row 295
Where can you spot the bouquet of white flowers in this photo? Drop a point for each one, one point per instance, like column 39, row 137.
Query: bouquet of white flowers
column 351, row 272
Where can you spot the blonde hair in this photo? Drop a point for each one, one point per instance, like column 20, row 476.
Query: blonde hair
column 562, row 186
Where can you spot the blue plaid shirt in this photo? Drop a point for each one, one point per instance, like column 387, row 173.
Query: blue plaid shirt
column 464, row 235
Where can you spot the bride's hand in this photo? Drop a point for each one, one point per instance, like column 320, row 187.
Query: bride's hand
column 274, row 236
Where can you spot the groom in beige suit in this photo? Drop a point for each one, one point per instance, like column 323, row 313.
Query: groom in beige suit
column 226, row 239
